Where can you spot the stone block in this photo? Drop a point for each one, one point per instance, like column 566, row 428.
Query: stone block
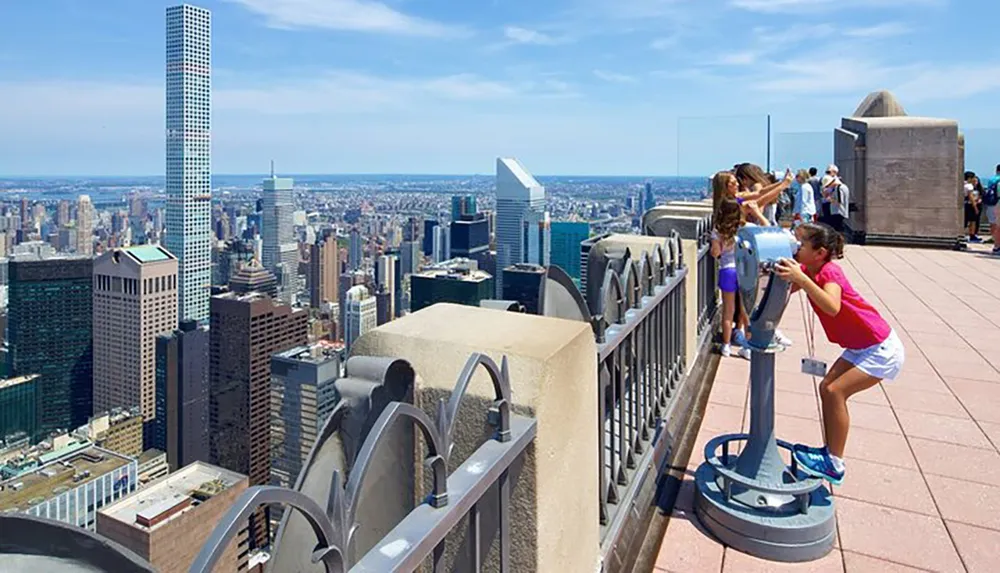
column 904, row 174
column 553, row 373
column 687, row 226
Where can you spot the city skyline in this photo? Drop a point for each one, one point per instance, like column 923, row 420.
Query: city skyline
column 606, row 87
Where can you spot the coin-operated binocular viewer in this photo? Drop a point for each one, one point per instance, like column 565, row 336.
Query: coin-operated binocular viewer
column 754, row 501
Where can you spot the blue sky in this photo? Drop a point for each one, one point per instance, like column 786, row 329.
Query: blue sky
column 444, row 86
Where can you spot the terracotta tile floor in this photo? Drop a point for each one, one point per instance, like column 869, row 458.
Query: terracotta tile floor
column 903, row 507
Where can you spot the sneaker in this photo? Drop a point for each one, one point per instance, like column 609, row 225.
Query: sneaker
column 739, row 338
column 975, row 240
column 781, row 339
column 996, row 251
column 816, row 462
column 745, row 352
column 726, row 351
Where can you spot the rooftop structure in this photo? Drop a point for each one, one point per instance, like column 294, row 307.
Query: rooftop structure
column 457, row 281
column 166, row 521
column 58, row 476
column 172, row 496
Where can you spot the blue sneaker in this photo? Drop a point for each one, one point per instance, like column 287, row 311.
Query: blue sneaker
column 739, row 339
column 816, row 462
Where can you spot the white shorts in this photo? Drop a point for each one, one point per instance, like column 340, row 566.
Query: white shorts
column 883, row 361
column 992, row 213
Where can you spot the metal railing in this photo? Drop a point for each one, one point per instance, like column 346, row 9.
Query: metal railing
column 641, row 350
column 707, row 278
column 456, row 494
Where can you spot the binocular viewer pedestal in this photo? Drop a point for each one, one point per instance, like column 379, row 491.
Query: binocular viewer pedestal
column 752, row 500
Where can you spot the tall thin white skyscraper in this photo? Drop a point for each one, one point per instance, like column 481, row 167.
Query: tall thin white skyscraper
column 280, row 250
column 84, row 226
column 520, row 198
column 189, row 155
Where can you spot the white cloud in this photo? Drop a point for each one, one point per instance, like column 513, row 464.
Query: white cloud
column 834, row 73
column 885, row 30
column 614, row 77
column 948, row 82
column 746, row 58
column 666, row 42
column 803, row 6
column 520, row 35
column 353, row 15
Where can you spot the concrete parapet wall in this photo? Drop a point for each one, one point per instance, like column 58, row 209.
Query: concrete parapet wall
column 905, row 176
column 553, row 374
column 684, row 218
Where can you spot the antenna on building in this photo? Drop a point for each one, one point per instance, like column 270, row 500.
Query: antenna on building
column 272, row 169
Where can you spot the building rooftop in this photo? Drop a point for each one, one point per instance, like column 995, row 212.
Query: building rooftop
column 173, row 495
column 58, row 472
column 514, row 167
column 318, row 353
column 455, row 273
column 149, row 253
column 11, row 382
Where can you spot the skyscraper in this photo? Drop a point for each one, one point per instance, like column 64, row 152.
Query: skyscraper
column 537, row 238
column 648, row 200
column 281, row 252
column 189, row 165
column 442, row 243
column 385, row 277
column 84, row 226
column 135, row 300
column 469, row 238
column 181, row 426
column 302, row 398
column 525, row 283
column 519, row 195
column 245, row 331
column 362, row 314
column 356, row 252
column 324, row 270
column 462, row 205
column 50, row 332
column 566, row 239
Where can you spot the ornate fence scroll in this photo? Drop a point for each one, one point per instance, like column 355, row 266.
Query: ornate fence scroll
column 421, row 534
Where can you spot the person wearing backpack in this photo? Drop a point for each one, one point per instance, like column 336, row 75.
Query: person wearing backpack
column 991, row 202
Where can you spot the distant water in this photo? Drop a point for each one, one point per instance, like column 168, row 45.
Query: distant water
column 111, row 189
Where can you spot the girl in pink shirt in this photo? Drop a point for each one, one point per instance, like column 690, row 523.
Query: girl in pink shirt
column 872, row 351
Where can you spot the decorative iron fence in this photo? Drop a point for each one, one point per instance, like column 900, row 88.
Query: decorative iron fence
column 707, row 278
column 640, row 335
column 455, row 494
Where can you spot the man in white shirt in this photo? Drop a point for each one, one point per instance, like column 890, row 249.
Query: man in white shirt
column 837, row 196
column 805, row 206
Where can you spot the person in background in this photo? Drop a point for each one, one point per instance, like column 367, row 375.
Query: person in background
column 836, row 197
column 814, row 182
column 971, row 202
column 832, row 172
column 804, row 210
column 991, row 202
column 728, row 220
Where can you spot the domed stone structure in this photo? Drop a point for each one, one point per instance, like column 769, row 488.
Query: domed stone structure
column 880, row 104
